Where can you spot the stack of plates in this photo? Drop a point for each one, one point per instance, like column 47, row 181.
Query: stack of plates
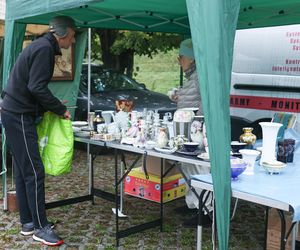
column 78, row 128
column 79, row 123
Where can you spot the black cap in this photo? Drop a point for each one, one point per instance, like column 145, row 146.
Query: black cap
column 59, row 24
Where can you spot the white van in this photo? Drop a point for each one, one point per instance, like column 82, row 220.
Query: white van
column 266, row 73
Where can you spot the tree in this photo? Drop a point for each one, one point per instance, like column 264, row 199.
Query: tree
column 117, row 48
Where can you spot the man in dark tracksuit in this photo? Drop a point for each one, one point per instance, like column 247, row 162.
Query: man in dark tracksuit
column 25, row 98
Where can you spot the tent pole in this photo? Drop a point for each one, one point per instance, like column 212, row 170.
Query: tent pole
column 88, row 108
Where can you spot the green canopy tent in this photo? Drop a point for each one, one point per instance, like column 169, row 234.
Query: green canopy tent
column 212, row 26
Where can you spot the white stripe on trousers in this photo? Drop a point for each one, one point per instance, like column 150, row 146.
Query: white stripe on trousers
column 36, row 202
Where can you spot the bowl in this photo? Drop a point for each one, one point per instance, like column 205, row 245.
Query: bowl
column 150, row 144
column 273, row 167
column 236, row 146
column 238, row 166
column 190, row 146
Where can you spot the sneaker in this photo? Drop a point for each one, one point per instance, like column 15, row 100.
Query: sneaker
column 28, row 228
column 47, row 236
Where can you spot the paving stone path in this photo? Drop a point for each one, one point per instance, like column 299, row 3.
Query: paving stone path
column 87, row 226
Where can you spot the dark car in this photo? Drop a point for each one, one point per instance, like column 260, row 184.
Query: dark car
column 107, row 86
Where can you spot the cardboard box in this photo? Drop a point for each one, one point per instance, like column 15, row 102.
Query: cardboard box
column 274, row 230
column 137, row 185
column 153, row 166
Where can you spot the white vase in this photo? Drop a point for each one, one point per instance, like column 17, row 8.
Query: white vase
column 249, row 156
column 269, row 134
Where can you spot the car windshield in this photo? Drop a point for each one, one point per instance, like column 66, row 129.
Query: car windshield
column 106, row 80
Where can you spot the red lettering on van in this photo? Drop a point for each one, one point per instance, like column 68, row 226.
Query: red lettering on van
column 265, row 103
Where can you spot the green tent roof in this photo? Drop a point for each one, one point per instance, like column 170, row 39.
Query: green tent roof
column 148, row 15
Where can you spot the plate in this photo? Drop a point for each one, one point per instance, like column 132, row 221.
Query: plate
column 184, row 152
column 83, row 134
column 203, row 156
column 127, row 140
column 79, row 123
column 165, row 150
column 76, row 129
column 191, row 109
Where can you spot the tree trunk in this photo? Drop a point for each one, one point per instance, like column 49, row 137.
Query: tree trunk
column 122, row 63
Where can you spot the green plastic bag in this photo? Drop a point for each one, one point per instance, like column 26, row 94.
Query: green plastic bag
column 56, row 144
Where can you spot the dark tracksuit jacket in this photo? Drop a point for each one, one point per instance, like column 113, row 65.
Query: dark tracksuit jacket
column 25, row 97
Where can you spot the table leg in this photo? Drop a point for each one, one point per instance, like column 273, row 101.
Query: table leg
column 91, row 174
column 161, row 194
column 266, row 226
column 199, row 224
column 116, row 194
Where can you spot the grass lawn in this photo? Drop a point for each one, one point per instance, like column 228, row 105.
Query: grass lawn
column 160, row 73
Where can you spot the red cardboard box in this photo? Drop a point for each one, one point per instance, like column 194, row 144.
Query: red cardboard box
column 137, row 185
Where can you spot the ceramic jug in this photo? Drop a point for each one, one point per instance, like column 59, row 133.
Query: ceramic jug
column 162, row 138
column 196, row 134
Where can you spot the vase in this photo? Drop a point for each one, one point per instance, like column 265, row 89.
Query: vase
column 249, row 156
column 248, row 137
column 162, row 138
column 269, row 137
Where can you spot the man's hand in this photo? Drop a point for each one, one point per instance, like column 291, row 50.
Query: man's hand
column 67, row 115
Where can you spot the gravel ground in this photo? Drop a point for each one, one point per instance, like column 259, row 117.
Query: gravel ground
column 87, row 226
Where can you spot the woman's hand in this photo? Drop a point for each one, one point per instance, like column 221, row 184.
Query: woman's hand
column 174, row 98
column 173, row 94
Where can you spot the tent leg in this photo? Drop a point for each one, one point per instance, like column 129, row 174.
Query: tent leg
column 199, row 237
column 200, row 223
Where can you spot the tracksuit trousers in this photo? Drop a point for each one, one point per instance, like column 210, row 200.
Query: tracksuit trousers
column 22, row 139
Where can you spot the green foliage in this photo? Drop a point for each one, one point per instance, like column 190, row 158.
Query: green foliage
column 142, row 43
column 95, row 47
column 159, row 73
column 155, row 57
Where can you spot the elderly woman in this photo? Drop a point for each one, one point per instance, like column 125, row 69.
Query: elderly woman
column 188, row 96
